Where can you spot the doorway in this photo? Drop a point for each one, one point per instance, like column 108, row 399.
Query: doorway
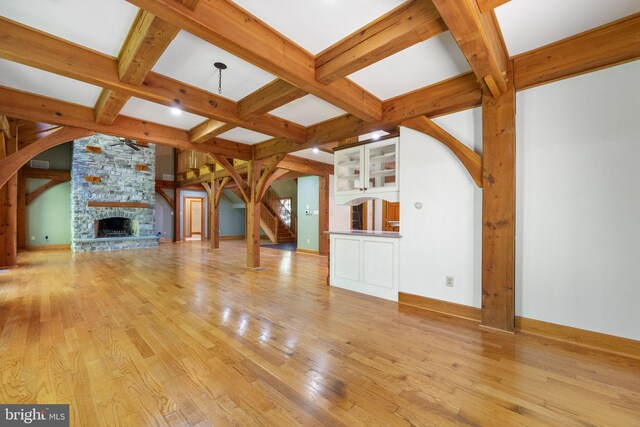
column 390, row 216
column 359, row 217
column 193, row 218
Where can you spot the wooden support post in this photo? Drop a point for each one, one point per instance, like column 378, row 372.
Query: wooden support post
column 498, row 210
column 214, row 215
column 323, row 220
column 176, row 217
column 253, row 216
column 22, row 209
column 8, row 209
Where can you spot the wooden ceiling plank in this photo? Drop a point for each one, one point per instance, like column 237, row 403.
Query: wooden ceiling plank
column 479, row 38
column 410, row 23
column 471, row 160
column 40, row 50
column 610, row 44
column 208, row 130
column 488, row 5
column 231, row 28
column 268, row 98
column 26, row 106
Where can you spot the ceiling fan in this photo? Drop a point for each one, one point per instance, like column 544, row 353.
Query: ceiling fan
column 129, row 143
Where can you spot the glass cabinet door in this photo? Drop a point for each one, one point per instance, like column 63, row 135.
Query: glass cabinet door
column 382, row 162
column 348, row 170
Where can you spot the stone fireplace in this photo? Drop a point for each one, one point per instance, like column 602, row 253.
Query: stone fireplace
column 112, row 195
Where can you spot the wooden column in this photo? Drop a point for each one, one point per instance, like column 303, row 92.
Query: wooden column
column 498, row 210
column 8, row 209
column 253, row 217
column 323, row 220
column 214, row 215
column 176, row 217
column 22, row 209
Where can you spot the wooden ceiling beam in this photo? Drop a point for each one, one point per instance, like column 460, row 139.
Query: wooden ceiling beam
column 480, row 40
column 147, row 40
column 450, row 96
column 40, row 50
column 207, row 130
column 488, row 5
column 231, row 28
column 611, row 44
column 26, row 106
column 408, row 24
column 268, row 98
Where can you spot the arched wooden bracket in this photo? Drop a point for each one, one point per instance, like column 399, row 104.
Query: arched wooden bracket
column 471, row 160
column 34, row 194
column 242, row 184
column 265, row 178
column 223, row 184
column 10, row 165
column 166, row 197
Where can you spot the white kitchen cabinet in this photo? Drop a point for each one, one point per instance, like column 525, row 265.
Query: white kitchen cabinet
column 367, row 171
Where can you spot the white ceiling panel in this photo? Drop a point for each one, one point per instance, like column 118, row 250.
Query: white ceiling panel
column 33, row 80
column 245, row 136
column 190, row 60
column 320, row 156
column 157, row 113
column 317, row 24
column 100, row 25
column 530, row 24
column 308, row 110
column 431, row 61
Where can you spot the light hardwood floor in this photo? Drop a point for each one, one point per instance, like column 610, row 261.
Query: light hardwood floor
column 182, row 336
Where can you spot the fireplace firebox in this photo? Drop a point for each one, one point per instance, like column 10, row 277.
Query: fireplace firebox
column 116, row 227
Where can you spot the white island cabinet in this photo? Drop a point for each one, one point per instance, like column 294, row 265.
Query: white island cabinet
column 365, row 262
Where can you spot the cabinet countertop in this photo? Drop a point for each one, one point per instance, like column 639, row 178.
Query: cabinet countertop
column 367, row 233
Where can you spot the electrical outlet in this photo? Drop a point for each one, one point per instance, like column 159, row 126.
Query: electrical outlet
column 450, row 281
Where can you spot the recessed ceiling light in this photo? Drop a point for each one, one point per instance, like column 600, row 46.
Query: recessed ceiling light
column 315, row 150
column 375, row 135
column 176, row 111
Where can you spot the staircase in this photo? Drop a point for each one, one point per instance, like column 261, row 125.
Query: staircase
column 274, row 227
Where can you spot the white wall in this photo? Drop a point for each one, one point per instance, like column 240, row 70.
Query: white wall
column 444, row 237
column 578, row 202
column 338, row 215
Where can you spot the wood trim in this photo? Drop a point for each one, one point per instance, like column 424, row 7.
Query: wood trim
column 187, row 216
column 96, row 204
column 56, row 247
column 439, row 306
column 307, row 251
column 585, row 338
column 360, row 143
column 611, row 44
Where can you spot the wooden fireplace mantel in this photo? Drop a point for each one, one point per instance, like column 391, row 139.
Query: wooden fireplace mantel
column 94, row 204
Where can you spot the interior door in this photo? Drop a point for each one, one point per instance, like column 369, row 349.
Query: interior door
column 193, row 216
column 390, row 213
column 196, row 217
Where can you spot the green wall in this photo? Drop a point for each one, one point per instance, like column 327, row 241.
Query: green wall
column 49, row 214
column 308, row 195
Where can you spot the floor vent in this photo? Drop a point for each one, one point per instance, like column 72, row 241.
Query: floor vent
column 39, row 164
